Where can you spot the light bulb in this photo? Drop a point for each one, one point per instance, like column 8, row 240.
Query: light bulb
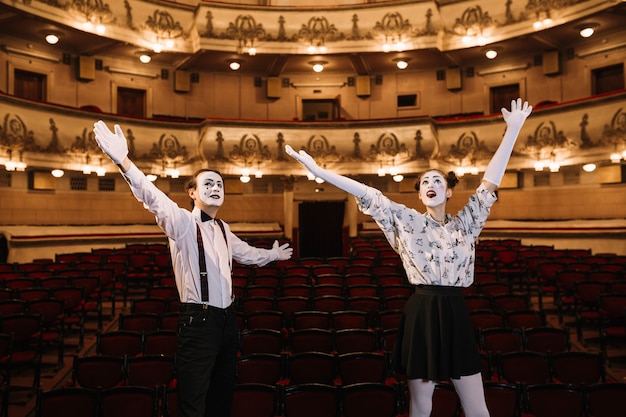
column 589, row 167
column 586, row 32
column 52, row 38
column 491, row 54
column 402, row 65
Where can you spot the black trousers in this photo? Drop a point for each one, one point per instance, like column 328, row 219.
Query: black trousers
column 206, row 360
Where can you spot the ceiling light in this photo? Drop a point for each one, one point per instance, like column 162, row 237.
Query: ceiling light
column 491, row 53
column 402, row 63
column 587, row 30
column 53, row 38
column 398, row 177
column 589, row 167
column 57, row 173
column 145, row 58
column 151, row 177
column 234, row 65
column 318, row 66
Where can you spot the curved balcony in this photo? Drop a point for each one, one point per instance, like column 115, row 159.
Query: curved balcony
column 44, row 136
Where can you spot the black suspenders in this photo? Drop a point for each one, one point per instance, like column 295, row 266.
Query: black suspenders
column 204, row 279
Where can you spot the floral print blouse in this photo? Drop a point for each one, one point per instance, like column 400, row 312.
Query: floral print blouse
column 432, row 254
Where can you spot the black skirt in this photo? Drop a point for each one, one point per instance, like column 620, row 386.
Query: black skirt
column 435, row 339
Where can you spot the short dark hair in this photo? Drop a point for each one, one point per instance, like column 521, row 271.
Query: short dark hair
column 192, row 183
column 450, row 177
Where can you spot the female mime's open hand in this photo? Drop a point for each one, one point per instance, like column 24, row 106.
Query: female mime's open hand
column 514, row 119
column 305, row 159
column 347, row 184
column 517, row 115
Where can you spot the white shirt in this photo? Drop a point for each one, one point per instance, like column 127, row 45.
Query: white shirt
column 432, row 254
column 180, row 227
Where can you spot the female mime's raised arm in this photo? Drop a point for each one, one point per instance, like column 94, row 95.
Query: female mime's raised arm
column 346, row 184
column 514, row 121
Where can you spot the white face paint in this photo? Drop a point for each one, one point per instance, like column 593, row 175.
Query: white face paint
column 210, row 188
column 433, row 189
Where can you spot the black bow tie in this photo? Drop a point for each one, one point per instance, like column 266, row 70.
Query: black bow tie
column 205, row 217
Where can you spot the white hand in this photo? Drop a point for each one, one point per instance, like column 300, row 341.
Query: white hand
column 283, row 252
column 514, row 121
column 348, row 185
column 304, row 158
column 518, row 114
column 114, row 145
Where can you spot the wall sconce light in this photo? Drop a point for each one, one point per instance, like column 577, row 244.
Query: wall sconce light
column 616, row 157
column 57, row 173
column 402, row 63
column 245, row 176
column 319, row 180
column 11, row 165
column 101, row 171
column 398, row 177
column 319, row 49
column 554, row 166
column 318, row 66
column 151, row 177
column 234, row 65
column 543, row 20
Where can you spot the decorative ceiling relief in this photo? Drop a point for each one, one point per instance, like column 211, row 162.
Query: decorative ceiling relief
column 85, row 144
column 614, row 133
column 388, row 149
column 168, row 147
column 245, row 30
column 164, row 28
column 321, row 150
column 467, row 151
column 14, row 134
column 250, row 151
column 548, row 146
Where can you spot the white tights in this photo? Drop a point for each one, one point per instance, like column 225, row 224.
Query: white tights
column 469, row 389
